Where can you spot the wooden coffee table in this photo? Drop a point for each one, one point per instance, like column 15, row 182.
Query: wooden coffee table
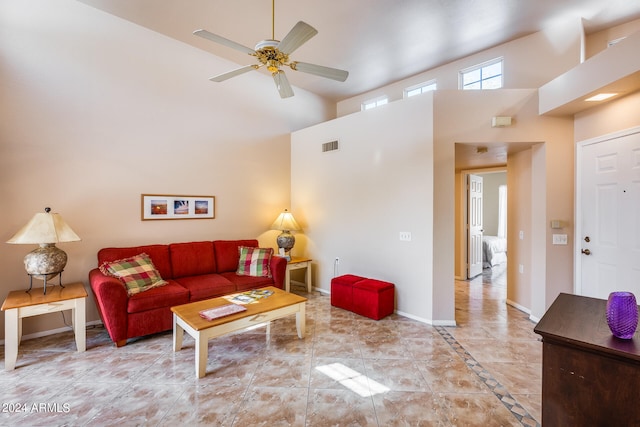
column 186, row 317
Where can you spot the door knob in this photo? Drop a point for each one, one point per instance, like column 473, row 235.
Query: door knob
column 586, row 251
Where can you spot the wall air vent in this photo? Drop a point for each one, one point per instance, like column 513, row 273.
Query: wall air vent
column 330, row 146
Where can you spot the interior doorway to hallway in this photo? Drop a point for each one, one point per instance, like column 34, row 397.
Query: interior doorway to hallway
column 491, row 237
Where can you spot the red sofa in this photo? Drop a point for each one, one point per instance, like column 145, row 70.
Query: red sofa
column 194, row 271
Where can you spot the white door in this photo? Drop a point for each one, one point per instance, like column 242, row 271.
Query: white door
column 608, row 215
column 474, row 225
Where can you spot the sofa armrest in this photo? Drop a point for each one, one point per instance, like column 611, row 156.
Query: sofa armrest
column 111, row 299
column 278, row 270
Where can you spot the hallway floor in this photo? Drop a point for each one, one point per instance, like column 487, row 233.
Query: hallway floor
column 348, row 371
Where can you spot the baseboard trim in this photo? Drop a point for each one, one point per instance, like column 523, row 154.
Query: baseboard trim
column 518, row 306
column 54, row 331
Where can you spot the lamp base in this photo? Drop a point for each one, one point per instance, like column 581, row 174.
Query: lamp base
column 45, row 263
column 286, row 241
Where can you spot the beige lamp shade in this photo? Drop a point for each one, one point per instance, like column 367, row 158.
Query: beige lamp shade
column 45, row 227
column 285, row 221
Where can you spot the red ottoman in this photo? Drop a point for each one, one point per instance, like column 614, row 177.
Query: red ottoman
column 341, row 290
column 373, row 298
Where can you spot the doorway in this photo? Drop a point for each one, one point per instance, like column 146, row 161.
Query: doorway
column 493, row 223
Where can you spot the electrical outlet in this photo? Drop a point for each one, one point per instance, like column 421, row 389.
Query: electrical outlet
column 405, row 236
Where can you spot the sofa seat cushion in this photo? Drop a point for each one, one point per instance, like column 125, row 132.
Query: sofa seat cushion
column 244, row 283
column 207, row 286
column 227, row 255
column 166, row 296
column 192, row 259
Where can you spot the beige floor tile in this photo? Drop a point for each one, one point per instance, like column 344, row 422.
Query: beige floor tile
column 348, row 371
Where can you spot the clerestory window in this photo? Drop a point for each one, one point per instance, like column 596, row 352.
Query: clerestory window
column 487, row 75
column 420, row 88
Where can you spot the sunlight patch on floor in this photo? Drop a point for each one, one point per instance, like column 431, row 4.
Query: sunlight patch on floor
column 353, row 380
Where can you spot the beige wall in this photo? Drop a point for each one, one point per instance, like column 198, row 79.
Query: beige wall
column 354, row 202
column 597, row 42
column 519, row 204
column 96, row 111
column 608, row 118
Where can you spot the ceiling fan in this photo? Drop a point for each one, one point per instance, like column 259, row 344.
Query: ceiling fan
column 274, row 54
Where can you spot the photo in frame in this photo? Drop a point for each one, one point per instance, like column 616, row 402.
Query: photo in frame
column 158, row 206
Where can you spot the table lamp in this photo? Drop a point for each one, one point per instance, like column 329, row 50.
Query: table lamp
column 285, row 223
column 46, row 262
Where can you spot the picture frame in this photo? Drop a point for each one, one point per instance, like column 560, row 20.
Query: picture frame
column 159, row 206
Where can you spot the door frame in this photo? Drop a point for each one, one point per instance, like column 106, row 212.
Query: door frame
column 577, row 242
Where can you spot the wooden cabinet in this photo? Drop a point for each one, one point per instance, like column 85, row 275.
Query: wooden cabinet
column 589, row 377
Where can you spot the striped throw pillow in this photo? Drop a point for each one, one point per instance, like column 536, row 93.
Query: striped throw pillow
column 254, row 261
column 137, row 273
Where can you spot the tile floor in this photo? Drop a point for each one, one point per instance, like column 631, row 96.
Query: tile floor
column 348, row 371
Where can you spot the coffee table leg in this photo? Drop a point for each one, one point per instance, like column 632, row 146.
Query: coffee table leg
column 178, row 333
column 300, row 321
column 202, row 353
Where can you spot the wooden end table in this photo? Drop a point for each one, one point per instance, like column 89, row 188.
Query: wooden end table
column 21, row 304
column 186, row 318
column 296, row 264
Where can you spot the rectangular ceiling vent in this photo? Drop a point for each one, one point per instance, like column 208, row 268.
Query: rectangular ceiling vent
column 330, row 146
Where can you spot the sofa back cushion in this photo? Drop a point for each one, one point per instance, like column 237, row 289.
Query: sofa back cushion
column 227, row 255
column 159, row 255
column 192, row 259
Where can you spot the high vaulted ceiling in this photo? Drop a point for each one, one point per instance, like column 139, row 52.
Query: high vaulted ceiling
column 377, row 41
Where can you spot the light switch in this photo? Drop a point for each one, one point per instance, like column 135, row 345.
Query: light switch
column 559, row 239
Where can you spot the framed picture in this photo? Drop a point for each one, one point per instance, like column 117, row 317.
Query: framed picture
column 157, row 206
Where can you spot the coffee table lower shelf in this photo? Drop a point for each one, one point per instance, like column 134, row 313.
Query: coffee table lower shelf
column 259, row 313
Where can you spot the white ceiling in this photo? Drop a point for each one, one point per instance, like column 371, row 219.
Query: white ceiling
column 377, row 41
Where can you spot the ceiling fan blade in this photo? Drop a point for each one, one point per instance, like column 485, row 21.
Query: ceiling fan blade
column 319, row 70
column 282, row 83
column 299, row 34
column 224, row 76
column 221, row 40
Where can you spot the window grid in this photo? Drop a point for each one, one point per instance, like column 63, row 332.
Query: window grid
column 483, row 76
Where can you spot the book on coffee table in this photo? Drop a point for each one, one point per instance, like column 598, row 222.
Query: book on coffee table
column 251, row 296
column 223, row 310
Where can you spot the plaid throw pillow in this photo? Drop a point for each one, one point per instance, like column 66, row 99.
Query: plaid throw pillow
column 254, row 261
column 137, row 273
